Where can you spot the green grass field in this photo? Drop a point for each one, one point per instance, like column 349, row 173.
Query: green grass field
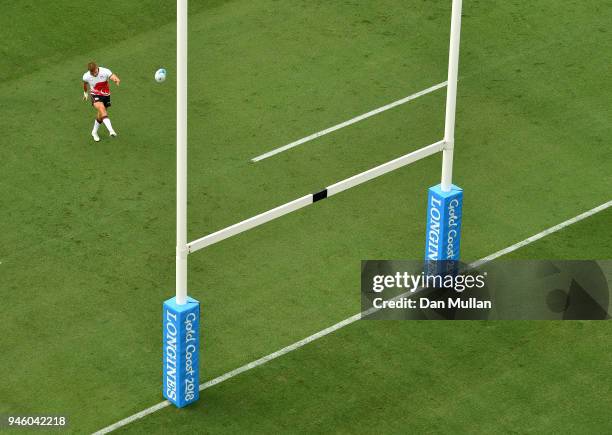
column 87, row 230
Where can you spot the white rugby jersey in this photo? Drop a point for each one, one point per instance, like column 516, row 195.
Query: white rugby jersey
column 98, row 85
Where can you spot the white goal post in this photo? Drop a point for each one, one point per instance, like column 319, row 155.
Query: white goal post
column 451, row 97
column 181, row 314
column 181, row 152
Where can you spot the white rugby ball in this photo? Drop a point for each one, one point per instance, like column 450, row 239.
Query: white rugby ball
column 160, row 75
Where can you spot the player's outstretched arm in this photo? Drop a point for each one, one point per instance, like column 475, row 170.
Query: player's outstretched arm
column 115, row 79
column 84, row 91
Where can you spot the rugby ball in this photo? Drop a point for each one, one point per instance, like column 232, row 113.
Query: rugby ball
column 160, row 75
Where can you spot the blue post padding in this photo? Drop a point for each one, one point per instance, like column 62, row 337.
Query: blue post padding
column 181, row 377
column 444, row 210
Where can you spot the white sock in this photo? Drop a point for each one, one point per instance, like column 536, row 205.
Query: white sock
column 96, row 126
column 108, row 124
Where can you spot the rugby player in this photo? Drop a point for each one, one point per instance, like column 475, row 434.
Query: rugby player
column 96, row 78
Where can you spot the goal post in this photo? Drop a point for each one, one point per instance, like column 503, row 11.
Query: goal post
column 451, row 97
column 445, row 200
column 181, row 314
column 181, row 152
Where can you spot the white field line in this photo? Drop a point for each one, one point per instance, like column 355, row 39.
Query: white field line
column 347, row 321
column 349, row 122
column 541, row 235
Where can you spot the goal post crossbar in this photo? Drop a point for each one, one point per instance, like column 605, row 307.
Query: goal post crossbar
column 309, row 199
